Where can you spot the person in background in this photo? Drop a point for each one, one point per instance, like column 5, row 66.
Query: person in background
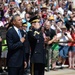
column 0, row 51
column 72, row 45
column 52, row 37
column 1, row 11
column 63, row 36
column 26, row 19
column 27, row 48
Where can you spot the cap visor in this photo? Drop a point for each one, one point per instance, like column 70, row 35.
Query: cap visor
column 36, row 20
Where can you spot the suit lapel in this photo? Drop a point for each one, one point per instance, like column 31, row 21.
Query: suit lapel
column 15, row 33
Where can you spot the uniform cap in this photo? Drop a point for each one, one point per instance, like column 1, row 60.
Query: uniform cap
column 24, row 24
column 28, row 5
column 34, row 19
column 44, row 6
column 63, row 27
column 51, row 18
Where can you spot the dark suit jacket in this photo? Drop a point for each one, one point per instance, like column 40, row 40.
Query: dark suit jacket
column 38, row 53
column 16, row 49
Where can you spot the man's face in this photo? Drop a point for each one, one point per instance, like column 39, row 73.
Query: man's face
column 24, row 27
column 36, row 25
column 52, row 22
column 27, row 17
column 64, row 30
column 18, row 22
column 47, row 25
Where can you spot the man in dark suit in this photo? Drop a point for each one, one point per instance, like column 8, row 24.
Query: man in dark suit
column 38, row 52
column 16, row 60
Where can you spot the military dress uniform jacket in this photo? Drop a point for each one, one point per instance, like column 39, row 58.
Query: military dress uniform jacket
column 36, row 41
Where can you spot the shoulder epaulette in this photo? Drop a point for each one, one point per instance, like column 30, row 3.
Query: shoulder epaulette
column 36, row 32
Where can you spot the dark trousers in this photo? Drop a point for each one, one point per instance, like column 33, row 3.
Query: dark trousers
column 15, row 70
column 27, row 59
column 28, row 65
column 0, row 48
column 37, row 69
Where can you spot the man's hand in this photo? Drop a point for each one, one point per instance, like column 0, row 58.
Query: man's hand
column 46, row 39
column 25, row 64
column 49, row 42
column 22, row 39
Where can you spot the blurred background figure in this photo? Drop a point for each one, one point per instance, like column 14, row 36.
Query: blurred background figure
column 27, row 48
column 0, row 53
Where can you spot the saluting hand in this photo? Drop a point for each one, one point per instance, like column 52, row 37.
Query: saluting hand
column 22, row 39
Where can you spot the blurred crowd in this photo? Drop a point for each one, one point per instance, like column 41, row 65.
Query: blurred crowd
column 57, row 19
column 55, row 10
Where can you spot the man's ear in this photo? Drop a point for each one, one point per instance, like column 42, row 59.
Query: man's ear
column 13, row 22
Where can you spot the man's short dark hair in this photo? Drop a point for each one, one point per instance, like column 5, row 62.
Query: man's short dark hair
column 14, row 17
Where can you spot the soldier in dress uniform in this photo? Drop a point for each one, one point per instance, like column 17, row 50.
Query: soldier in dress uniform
column 38, row 52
